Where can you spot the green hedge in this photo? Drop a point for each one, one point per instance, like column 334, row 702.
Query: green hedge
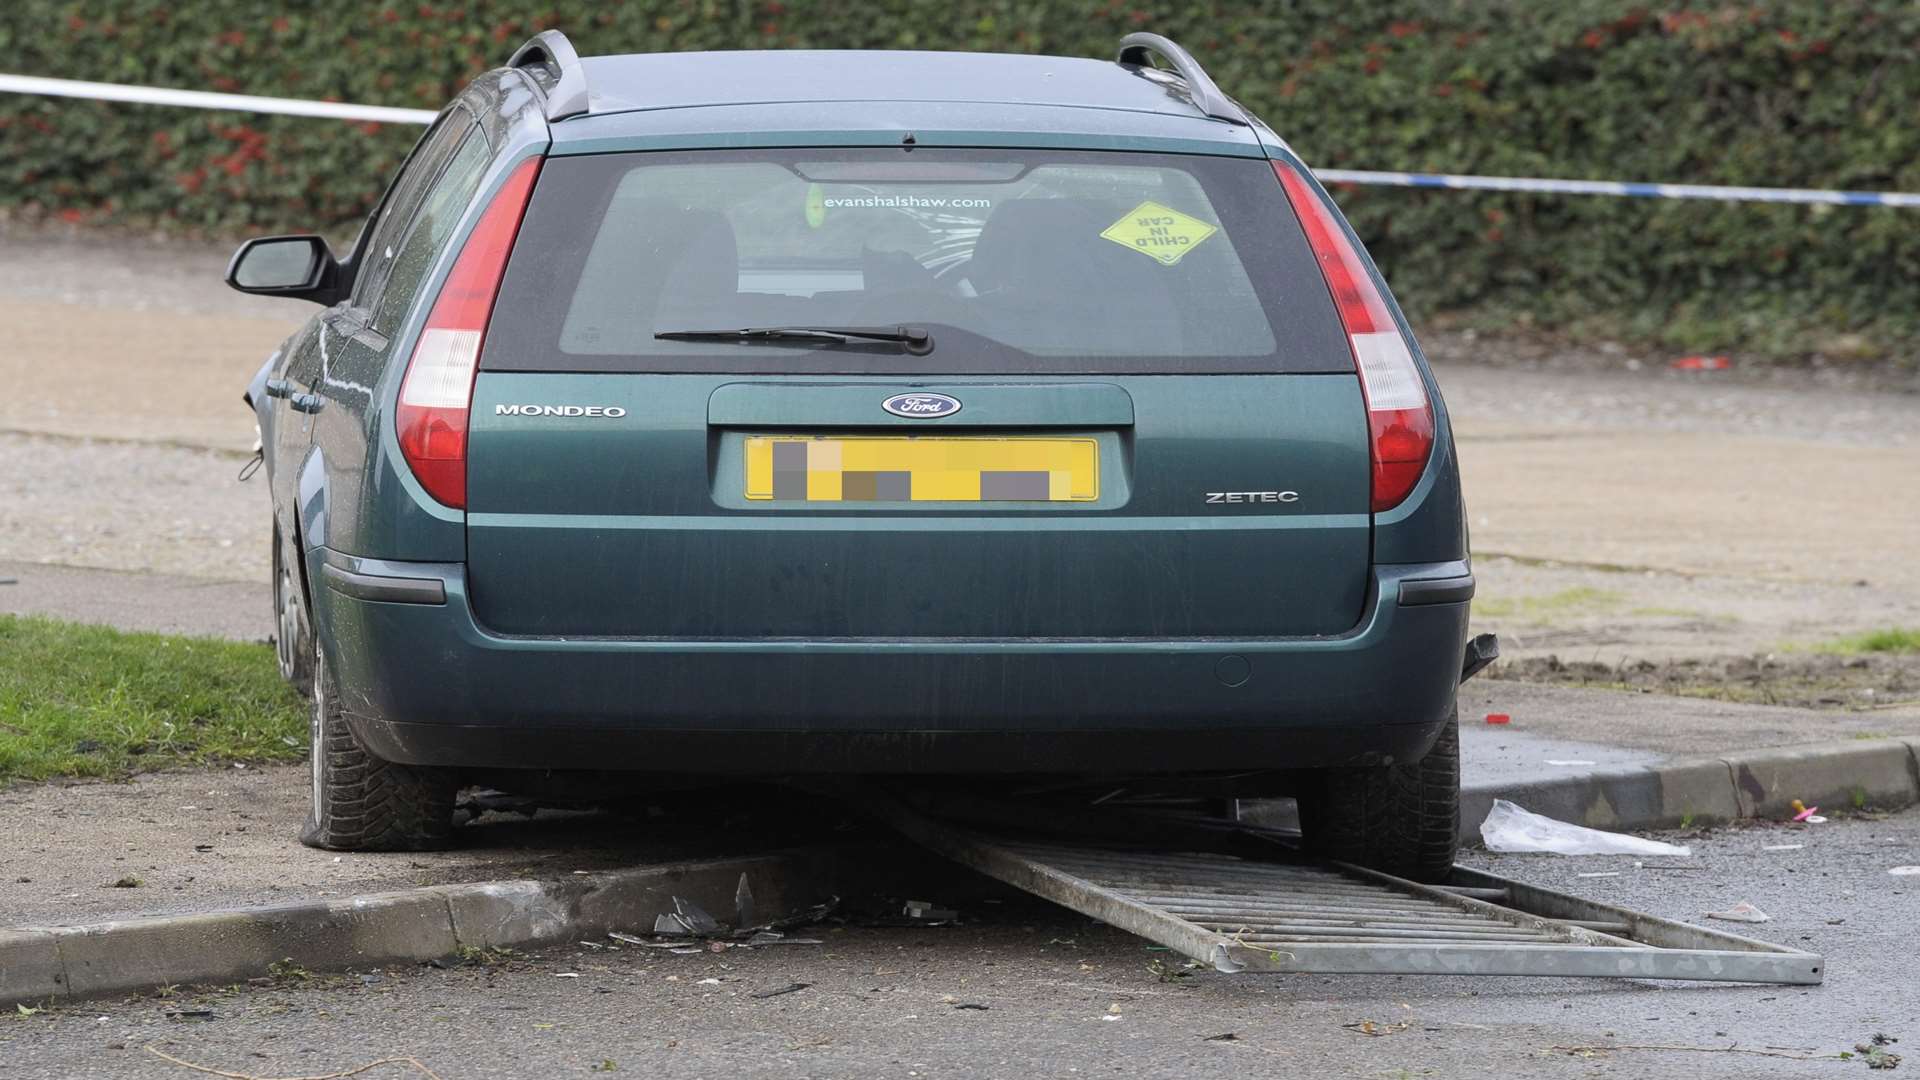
column 1763, row 93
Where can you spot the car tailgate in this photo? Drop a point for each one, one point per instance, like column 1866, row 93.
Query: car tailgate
column 625, row 505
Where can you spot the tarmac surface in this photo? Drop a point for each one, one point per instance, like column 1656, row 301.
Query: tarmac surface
column 1021, row 989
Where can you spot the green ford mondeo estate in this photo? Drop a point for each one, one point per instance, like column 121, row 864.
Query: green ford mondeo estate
column 899, row 415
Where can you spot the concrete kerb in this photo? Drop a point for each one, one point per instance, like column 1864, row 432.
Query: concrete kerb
column 1838, row 777
column 30, row 962
column 1641, row 797
column 39, row 964
column 1877, row 774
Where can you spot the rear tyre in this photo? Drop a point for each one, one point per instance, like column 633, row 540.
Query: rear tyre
column 1401, row 819
column 361, row 803
column 293, row 632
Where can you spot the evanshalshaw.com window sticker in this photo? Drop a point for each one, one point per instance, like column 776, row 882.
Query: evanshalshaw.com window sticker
column 820, row 203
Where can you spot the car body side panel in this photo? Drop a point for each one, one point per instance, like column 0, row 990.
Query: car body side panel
column 311, row 499
column 277, row 474
column 348, row 383
column 267, row 414
column 379, row 509
column 256, row 395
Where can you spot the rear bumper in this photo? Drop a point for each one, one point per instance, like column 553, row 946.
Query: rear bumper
column 426, row 684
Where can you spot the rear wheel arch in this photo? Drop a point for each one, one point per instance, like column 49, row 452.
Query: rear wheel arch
column 300, row 564
column 310, row 501
column 308, row 524
column 292, row 609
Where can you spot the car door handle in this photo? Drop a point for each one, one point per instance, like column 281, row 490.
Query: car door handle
column 306, row 403
column 279, row 388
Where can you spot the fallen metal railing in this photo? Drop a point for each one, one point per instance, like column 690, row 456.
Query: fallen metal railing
column 1265, row 907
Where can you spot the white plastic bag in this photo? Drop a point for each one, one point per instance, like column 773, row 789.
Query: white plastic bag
column 1508, row 828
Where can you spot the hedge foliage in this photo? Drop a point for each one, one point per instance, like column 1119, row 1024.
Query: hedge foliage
column 1765, row 92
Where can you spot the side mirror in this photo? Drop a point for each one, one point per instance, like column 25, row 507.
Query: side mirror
column 301, row 267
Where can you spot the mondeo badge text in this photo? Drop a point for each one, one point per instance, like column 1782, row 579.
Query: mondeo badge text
column 559, row 410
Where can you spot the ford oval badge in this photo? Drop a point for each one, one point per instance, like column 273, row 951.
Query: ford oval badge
column 921, row 406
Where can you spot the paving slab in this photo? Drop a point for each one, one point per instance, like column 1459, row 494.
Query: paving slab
column 161, row 603
column 1557, row 734
column 203, row 840
column 1496, row 754
column 1668, row 724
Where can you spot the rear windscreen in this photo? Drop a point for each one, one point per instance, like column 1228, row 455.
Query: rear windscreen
column 1010, row 261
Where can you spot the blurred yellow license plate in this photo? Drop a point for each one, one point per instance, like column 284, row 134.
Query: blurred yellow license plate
column 854, row 468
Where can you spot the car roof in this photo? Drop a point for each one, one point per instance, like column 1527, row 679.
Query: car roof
column 752, row 77
column 1028, row 98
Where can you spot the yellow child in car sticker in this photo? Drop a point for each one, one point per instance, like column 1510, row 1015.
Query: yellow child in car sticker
column 1162, row 232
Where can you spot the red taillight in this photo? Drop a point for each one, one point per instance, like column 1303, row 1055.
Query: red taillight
column 434, row 399
column 1399, row 416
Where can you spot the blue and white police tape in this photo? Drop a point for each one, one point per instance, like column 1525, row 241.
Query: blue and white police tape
column 202, row 99
column 1616, row 187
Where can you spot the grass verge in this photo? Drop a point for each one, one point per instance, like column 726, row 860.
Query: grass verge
column 1898, row 639
column 89, row 701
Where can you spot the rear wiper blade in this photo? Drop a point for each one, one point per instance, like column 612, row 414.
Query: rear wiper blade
column 914, row 338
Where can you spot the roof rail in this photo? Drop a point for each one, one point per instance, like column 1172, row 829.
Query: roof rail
column 550, row 49
column 1139, row 49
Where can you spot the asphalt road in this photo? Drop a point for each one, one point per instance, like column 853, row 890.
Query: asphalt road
column 1024, row 989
